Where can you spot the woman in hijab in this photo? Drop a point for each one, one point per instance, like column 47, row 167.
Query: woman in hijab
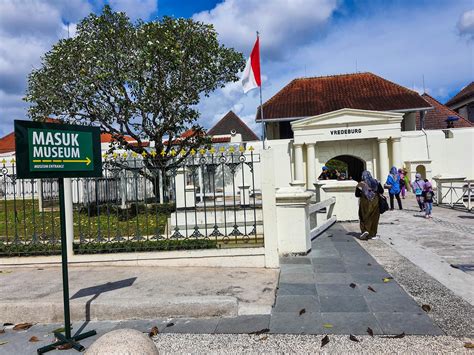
column 393, row 184
column 418, row 187
column 368, row 190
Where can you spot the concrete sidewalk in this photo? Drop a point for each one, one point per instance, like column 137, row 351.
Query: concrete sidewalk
column 434, row 244
column 120, row 293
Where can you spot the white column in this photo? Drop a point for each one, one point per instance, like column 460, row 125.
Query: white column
column 396, row 152
column 383, row 160
column 68, row 212
column 310, row 164
column 293, row 220
column 374, row 160
column 299, row 172
column 180, row 188
column 269, row 210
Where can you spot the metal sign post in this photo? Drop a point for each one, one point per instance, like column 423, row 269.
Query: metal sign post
column 47, row 150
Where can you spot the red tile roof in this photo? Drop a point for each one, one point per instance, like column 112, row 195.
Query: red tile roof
column 314, row 96
column 436, row 118
column 232, row 122
column 7, row 143
column 191, row 132
column 466, row 93
column 107, row 138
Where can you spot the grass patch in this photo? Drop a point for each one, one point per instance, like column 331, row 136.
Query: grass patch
column 23, row 218
column 110, row 247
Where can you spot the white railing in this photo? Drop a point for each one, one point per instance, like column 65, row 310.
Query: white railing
column 321, row 217
column 455, row 193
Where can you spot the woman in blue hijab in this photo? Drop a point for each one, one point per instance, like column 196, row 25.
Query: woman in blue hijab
column 368, row 191
column 393, row 186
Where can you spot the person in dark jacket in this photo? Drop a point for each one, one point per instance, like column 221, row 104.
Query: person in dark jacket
column 368, row 191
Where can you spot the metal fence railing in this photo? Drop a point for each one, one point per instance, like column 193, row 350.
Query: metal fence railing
column 455, row 193
column 209, row 199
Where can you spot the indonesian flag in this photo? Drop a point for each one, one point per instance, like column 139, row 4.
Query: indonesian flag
column 251, row 75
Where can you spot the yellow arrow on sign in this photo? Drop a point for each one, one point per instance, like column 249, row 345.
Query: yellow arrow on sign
column 87, row 161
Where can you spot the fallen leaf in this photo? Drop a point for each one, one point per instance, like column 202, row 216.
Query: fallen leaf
column 352, row 285
column 59, row 330
column 265, row 337
column 386, row 279
column 169, row 325
column 22, row 326
column 353, row 338
column 259, row 332
column 65, row 346
column 370, row 331
column 324, row 341
column 154, row 331
column 426, row 308
column 3, row 342
column 469, row 345
column 302, row 311
column 327, row 325
column 5, row 271
column 371, row 289
column 33, row 339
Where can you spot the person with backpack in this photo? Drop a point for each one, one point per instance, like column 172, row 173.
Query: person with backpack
column 393, row 184
column 368, row 190
column 418, row 187
column 428, row 198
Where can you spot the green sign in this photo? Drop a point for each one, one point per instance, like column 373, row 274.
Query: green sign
column 57, row 150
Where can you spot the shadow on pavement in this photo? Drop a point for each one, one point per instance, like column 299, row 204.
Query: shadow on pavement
column 96, row 291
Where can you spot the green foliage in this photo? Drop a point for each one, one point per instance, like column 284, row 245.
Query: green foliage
column 113, row 247
column 130, row 212
column 139, row 79
column 146, row 245
column 338, row 165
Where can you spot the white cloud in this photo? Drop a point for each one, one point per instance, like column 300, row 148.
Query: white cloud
column 135, row 9
column 466, row 24
column 283, row 23
column 402, row 47
column 28, row 28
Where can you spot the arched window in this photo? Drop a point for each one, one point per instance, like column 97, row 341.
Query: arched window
column 352, row 167
column 420, row 169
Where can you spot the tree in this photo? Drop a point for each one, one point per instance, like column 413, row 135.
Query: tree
column 141, row 80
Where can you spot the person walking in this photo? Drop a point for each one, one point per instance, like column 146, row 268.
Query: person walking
column 368, row 191
column 428, row 199
column 418, row 187
column 403, row 184
column 393, row 184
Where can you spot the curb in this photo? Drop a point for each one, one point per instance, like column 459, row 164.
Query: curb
column 119, row 309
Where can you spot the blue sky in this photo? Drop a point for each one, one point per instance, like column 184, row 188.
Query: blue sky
column 399, row 40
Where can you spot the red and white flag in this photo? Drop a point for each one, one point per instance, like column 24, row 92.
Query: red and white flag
column 251, row 75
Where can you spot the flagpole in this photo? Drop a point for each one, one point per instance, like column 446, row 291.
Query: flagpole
column 261, row 106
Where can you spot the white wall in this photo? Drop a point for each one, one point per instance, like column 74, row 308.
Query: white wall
column 449, row 156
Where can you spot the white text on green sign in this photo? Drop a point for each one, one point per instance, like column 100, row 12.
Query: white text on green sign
column 60, row 150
